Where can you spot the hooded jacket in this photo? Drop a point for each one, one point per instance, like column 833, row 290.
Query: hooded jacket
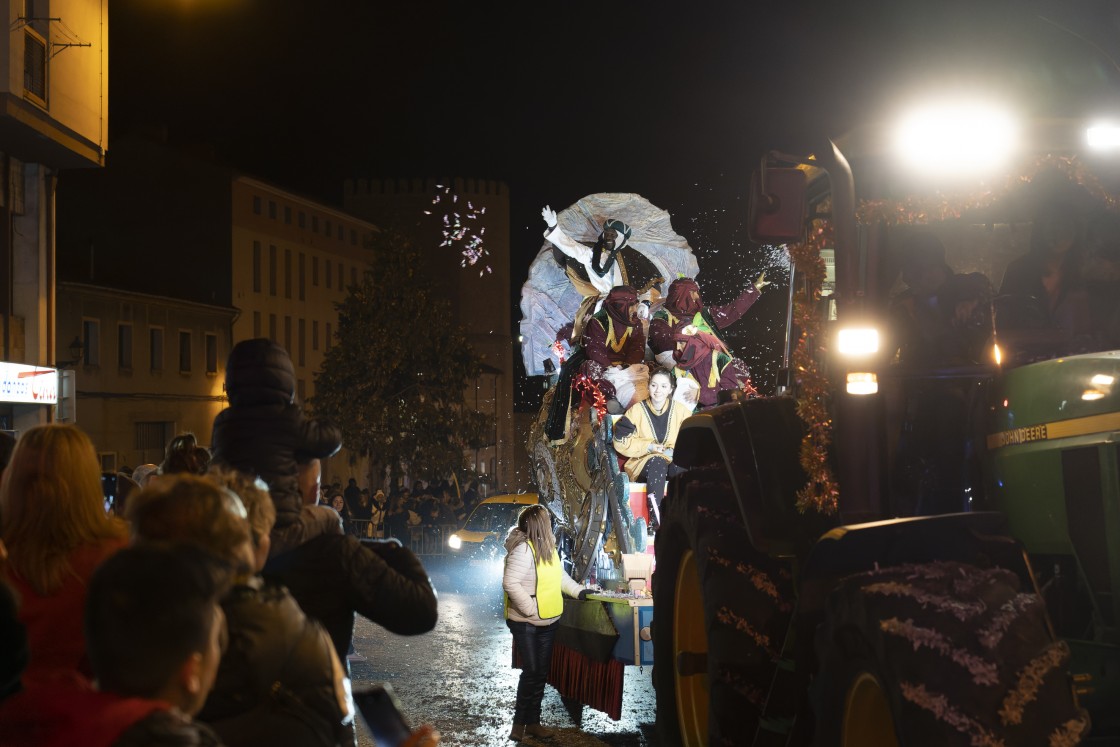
column 263, row 431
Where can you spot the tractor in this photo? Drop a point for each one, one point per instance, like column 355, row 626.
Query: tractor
column 915, row 541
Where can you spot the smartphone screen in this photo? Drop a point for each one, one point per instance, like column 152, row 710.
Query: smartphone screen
column 109, row 489
column 381, row 714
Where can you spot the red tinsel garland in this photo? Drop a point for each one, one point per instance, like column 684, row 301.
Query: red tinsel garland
column 558, row 349
column 588, row 389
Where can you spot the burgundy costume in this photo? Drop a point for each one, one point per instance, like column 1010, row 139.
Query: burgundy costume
column 613, row 337
column 681, row 307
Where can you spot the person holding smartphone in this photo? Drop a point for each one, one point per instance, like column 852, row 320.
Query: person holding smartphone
column 534, row 582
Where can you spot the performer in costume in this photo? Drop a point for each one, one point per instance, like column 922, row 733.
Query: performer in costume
column 705, row 358
column 647, row 434
column 611, row 262
column 615, row 345
column 610, row 356
column 683, row 306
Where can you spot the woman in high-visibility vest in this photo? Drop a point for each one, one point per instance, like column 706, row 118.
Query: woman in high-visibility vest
column 534, row 582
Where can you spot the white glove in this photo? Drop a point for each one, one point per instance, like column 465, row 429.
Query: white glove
column 549, row 216
column 643, row 311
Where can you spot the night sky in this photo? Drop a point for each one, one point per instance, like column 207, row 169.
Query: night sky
column 675, row 101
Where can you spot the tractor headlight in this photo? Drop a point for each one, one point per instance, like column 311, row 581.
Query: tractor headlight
column 1103, row 137
column 956, row 137
column 861, row 383
column 857, row 342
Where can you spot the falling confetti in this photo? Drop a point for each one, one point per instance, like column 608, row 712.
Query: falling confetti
column 456, row 232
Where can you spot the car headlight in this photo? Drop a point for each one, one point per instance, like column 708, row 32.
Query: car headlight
column 855, row 342
column 454, row 542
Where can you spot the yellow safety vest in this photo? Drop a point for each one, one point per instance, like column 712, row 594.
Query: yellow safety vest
column 550, row 598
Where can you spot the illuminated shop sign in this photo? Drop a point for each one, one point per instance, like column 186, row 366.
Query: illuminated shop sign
column 28, row 384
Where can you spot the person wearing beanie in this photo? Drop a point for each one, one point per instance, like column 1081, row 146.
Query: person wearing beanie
column 263, row 432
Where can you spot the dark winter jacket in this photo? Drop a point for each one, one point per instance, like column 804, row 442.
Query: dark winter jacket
column 168, row 729
column 263, row 432
column 332, row 577
column 278, row 682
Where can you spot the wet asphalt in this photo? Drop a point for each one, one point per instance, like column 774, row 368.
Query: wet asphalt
column 459, row 679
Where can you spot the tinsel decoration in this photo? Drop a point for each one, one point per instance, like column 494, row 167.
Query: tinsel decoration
column 558, row 351
column 820, row 491
column 589, row 390
column 938, row 206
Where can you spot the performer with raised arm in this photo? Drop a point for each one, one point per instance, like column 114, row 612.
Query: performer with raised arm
column 594, row 270
column 683, row 306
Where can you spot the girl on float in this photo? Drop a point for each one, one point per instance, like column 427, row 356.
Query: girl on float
column 647, row 433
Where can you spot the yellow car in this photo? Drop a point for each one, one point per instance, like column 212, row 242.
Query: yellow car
column 486, row 528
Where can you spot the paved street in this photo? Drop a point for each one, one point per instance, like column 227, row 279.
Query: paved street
column 458, row 677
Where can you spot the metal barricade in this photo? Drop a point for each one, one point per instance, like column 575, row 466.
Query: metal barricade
column 363, row 529
column 430, row 539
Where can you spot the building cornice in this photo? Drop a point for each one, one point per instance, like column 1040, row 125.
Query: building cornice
column 126, row 295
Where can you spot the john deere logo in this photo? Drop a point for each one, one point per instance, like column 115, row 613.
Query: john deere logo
column 1017, row 436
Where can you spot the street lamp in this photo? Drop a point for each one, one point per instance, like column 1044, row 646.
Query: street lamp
column 75, row 347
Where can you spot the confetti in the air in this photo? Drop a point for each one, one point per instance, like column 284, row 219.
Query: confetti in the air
column 458, row 234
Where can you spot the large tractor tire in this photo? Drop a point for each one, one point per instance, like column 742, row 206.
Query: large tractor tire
column 941, row 654
column 723, row 610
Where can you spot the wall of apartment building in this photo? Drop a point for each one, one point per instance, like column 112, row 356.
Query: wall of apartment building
column 55, row 59
column 292, row 260
column 479, row 296
column 53, row 115
column 151, row 367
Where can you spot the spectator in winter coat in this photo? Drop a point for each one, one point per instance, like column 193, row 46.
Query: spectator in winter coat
column 333, row 577
column 57, row 532
column 154, row 632
column 280, row 682
column 263, row 432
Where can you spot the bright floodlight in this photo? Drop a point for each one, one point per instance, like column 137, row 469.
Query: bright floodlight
column 1103, row 136
column 858, row 341
column 956, row 138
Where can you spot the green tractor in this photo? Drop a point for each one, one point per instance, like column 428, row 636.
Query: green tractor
column 917, row 540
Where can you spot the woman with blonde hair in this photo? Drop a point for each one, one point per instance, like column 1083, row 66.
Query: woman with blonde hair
column 52, row 510
column 534, row 582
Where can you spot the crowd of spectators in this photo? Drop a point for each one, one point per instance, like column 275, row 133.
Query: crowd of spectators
column 158, row 610
column 420, row 517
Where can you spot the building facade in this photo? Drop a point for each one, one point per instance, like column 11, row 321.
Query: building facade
column 293, row 260
column 150, row 367
column 53, row 116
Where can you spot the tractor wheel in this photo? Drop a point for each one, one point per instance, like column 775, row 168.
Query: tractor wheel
column 722, row 614
column 941, row 654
